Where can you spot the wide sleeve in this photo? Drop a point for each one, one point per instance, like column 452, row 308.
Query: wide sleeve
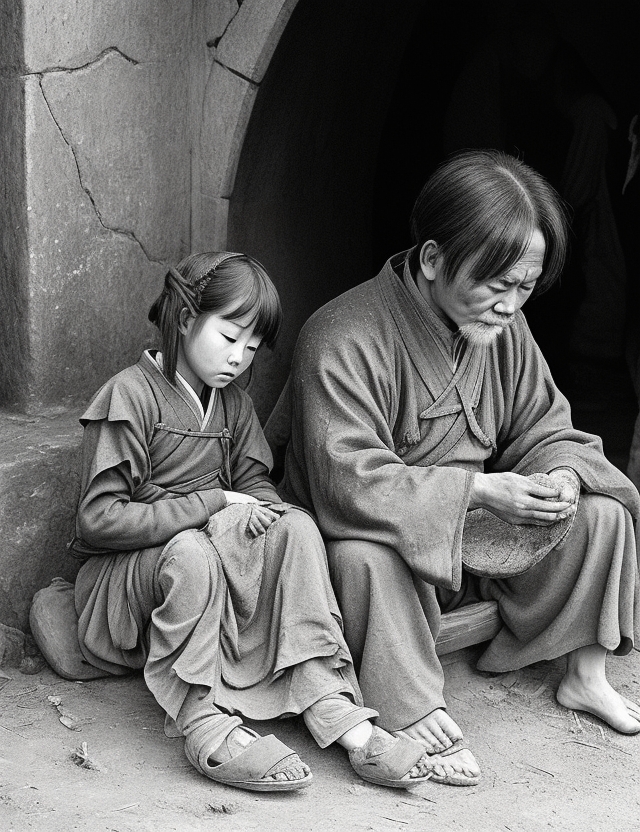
column 536, row 433
column 251, row 459
column 116, row 467
column 342, row 463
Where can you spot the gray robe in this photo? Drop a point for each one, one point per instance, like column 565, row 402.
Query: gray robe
column 386, row 434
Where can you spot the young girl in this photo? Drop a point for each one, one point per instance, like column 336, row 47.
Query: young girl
column 195, row 570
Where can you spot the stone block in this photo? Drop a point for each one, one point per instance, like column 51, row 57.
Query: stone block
column 252, row 36
column 89, row 286
column 72, row 33
column 127, row 128
column 39, row 486
column 12, row 644
column 228, row 102
column 209, row 223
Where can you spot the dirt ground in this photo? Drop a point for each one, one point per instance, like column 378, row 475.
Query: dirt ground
column 543, row 767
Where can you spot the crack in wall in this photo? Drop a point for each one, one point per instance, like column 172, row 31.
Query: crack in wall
column 237, row 74
column 111, row 50
column 213, row 43
column 122, row 231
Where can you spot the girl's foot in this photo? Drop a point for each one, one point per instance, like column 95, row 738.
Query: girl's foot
column 388, row 760
column 246, row 760
column 290, row 768
column 601, row 700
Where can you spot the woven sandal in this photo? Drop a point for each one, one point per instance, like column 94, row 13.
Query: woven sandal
column 457, row 778
column 248, row 769
column 388, row 766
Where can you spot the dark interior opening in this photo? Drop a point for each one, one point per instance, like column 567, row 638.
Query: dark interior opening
column 362, row 100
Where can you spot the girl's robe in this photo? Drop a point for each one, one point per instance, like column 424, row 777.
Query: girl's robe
column 155, row 466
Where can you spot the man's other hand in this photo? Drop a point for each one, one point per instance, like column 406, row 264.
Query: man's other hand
column 520, row 500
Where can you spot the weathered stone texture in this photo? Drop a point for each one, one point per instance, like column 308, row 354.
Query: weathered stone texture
column 14, row 342
column 72, row 33
column 89, row 286
column 253, row 35
column 127, row 127
column 228, row 101
column 39, row 485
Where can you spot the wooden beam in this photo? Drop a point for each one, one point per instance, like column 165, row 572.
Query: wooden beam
column 468, row 625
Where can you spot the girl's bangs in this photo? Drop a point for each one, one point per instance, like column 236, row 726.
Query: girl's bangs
column 258, row 301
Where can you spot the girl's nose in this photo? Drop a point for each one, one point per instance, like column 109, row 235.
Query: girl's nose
column 235, row 356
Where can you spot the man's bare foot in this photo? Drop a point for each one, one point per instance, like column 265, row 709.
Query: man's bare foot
column 436, row 731
column 601, row 700
column 455, row 767
column 291, row 768
column 450, row 762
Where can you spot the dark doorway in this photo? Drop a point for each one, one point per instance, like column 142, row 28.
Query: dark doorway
column 353, row 114
column 546, row 84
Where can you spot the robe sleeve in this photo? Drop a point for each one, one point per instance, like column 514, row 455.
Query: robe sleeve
column 116, row 464
column 536, row 434
column 251, row 459
column 342, row 463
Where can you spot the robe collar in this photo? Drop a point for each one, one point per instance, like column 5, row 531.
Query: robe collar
column 152, row 362
column 430, row 343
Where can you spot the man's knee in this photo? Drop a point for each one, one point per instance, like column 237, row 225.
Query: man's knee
column 596, row 509
column 351, row 560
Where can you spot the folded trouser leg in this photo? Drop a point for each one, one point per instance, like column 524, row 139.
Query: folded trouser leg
column 391, row 619
column 332, row 716
column 198, row 710
column 583, row 592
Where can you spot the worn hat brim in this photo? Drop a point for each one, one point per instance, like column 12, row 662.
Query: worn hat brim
column 493, row 548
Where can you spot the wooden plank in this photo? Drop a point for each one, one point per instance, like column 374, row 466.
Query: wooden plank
column 468, row 625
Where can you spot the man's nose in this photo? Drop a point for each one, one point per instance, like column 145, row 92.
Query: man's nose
column 508, row 303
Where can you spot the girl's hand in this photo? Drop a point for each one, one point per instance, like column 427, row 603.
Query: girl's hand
column 519, row 500
column 260, row 519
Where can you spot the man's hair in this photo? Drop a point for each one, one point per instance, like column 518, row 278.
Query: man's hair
column 482, row 206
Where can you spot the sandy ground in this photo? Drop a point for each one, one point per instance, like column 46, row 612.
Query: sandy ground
column 544, row 767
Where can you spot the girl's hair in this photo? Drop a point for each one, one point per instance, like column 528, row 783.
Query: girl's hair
column 481, row 207
column 223, row 283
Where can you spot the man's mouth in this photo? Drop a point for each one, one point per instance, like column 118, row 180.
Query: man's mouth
column 496, row 320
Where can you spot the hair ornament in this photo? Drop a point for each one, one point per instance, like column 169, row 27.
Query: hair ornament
column 201, row 284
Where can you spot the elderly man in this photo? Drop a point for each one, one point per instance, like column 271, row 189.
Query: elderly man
column 417, row 398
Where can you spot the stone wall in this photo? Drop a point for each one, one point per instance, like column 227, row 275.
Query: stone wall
column 122, row 127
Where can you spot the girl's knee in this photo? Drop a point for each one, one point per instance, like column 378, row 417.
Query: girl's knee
column 186, row 558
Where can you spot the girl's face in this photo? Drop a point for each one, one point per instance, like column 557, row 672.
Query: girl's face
column 215, row 351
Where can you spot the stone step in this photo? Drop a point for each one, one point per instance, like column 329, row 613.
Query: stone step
column 39, row 486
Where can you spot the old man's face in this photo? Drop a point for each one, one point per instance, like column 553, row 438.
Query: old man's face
column 482, row 310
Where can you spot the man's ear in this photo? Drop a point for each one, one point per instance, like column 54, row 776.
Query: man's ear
column 429, row 254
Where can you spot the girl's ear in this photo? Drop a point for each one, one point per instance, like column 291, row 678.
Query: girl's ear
column 429, row 254
column 183, row 321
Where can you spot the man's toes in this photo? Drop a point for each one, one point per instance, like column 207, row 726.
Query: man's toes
column 632, row 707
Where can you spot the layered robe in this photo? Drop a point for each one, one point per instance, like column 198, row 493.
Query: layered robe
column 389, row 421
column 172, row 581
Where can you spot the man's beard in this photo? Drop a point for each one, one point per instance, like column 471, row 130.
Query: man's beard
column 481, row 333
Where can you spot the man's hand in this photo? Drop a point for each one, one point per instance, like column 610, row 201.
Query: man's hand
column 568, row 482
column 519, row 500
column 261, row 516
